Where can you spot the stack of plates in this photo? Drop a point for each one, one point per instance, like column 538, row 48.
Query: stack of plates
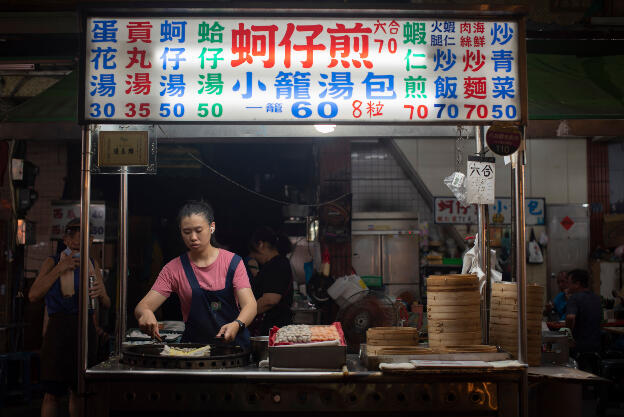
column 453, row 310
column 504, row 319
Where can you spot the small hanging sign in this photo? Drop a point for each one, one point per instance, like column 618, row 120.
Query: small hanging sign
column 503, row 139
column 480, row 180
column 123, row 148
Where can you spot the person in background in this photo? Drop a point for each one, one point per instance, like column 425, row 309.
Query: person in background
column 58, row 284
column 273, row 286
column 211, row 283
column 583, row 313
column 558, row 304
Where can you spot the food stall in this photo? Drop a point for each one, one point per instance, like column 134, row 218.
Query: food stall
column 181, row 72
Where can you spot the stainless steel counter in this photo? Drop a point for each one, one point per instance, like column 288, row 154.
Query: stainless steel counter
column 354, row 370
column 118, row 389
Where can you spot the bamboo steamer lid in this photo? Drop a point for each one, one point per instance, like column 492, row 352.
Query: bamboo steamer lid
column 513, row 321
column 392, row 336
column 510, row 289
column 499, row 313
column 444, row 315
column 460, row 298
column 512, row 302
column 454, row 339
column 457, row 309
column 452, row 282
column 446, row 326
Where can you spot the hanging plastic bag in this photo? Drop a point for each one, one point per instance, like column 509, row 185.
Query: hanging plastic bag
column 534, row 251
column 471, row 265
column 455, row 183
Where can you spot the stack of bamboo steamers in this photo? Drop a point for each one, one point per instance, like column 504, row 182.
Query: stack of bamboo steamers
column 504, row 319
column 453, row 312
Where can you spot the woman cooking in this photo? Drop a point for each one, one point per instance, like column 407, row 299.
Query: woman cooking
column 211, row 283
column 273, row 285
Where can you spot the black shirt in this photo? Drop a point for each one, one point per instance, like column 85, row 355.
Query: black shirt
column 587, row 308
column 275, row 276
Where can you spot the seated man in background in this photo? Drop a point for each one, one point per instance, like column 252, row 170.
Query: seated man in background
column 583, row 313
column 559, row 303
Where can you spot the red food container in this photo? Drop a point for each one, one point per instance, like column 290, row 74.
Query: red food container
column 307, row 356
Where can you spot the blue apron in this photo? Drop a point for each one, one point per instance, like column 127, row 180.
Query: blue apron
column 210, row 310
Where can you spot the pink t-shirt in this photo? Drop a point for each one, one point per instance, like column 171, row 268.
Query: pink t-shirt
column 212, row 277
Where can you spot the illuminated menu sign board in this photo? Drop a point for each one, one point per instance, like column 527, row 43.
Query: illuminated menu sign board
column 299, row 69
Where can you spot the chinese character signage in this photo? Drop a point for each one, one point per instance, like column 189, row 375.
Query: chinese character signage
column 123, row 148
column 480, row 180
column 449, row 210
column 63, row 212
column 534, row 211
column 280, row 69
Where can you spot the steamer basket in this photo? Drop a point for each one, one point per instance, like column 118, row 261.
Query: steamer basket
column 453, row 305
column 504, row 319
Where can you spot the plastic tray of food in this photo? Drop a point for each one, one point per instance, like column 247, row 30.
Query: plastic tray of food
column 307, row 347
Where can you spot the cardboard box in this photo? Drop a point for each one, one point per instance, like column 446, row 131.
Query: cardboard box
column 613, row 230
column 307, row 357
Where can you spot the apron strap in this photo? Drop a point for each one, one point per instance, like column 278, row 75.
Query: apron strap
column 229, row 278
column 188, row 271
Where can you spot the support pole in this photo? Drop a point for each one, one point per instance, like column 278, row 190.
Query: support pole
column 83, row 302
column 122, row 280
column 484, row 248
column 521, row 271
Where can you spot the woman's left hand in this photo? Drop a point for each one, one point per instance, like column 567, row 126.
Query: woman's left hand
column 97, row 290
column 229, row 331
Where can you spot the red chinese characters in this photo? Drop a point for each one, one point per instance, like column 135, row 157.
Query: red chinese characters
column 139, row 83
column 259, row 44
column 344, row 40
column 473, row 60
column 309, row 47
column 137, row 56
column 475, row 87
column 139, row 31
column 259, row 41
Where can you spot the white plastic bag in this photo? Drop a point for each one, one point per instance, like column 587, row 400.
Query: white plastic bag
column 470, row 265
column 455, row 182
column 534, row 251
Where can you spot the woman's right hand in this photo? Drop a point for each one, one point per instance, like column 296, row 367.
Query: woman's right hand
column 148, row 324
column 69, row 263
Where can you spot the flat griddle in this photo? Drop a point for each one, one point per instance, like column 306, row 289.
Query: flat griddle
column 222, row 355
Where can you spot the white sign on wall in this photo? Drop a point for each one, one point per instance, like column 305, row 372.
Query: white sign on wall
column 64, row 212
column 480, row 180
column 448, row 210
column 299, row 69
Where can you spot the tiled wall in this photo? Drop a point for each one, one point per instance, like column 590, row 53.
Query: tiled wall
column 556, row 168
column 380, row 184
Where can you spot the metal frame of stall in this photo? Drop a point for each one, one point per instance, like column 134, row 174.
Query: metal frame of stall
column 516, row 13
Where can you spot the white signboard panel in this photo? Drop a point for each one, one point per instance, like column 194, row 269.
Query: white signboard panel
column 449, row 210
column 281, row 69
column 63, row 213
column 534, row 211
column 480, row 180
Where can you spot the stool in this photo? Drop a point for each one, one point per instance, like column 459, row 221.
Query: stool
column 25, row 388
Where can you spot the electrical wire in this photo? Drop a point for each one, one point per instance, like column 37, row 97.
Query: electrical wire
column 266, row 197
